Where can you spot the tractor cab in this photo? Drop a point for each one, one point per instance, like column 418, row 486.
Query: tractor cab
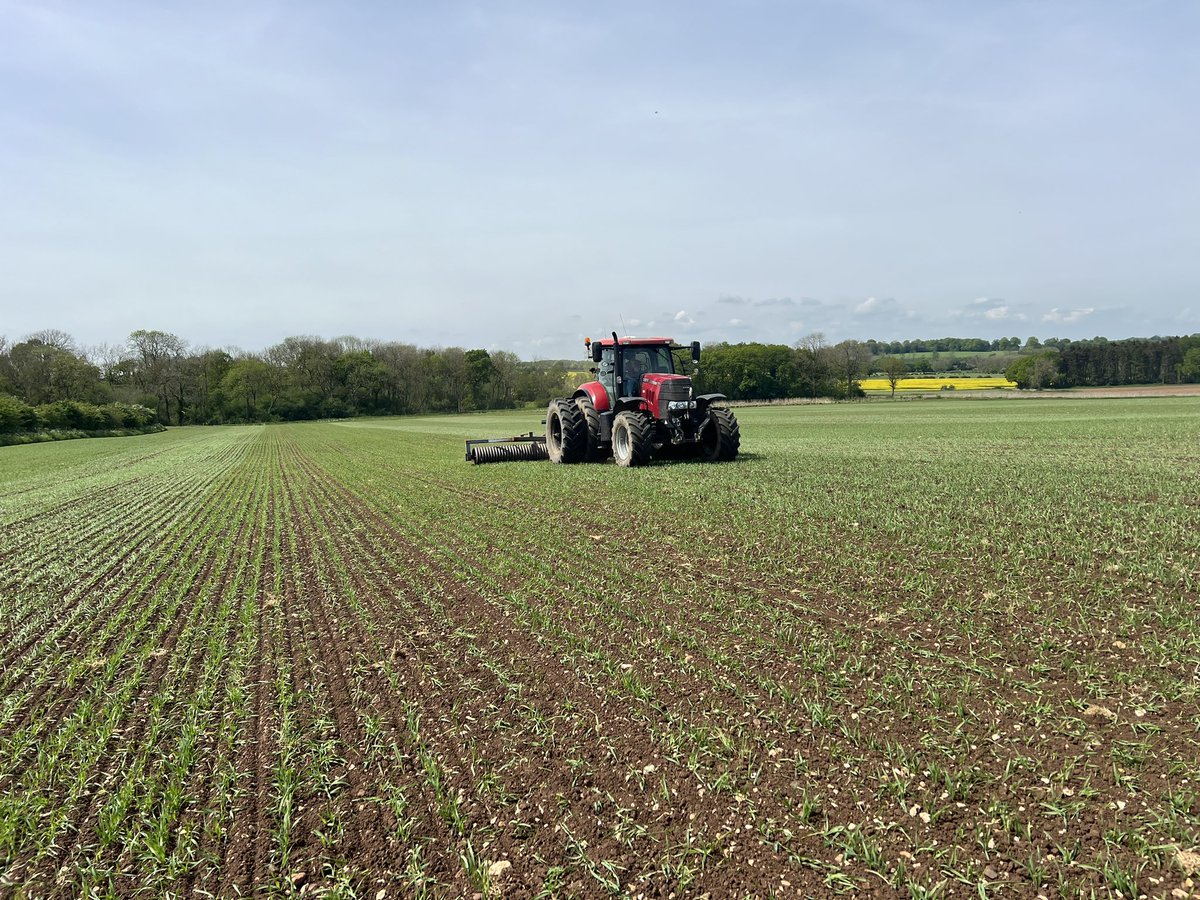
column 622, row 366
column 637, row 364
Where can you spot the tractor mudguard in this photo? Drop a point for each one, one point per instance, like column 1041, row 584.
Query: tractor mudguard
column 596, row 393
column 704, row 401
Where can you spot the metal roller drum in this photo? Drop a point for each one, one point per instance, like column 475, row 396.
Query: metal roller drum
column 522, row 447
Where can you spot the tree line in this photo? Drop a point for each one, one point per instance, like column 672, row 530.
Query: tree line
column 949, row 345
column 810, row 368
column 306, row 377
column 301, row 377
column 1101, row 363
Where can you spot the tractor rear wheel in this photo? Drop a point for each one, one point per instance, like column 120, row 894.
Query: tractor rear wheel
column 566, row 432
column 631, row 439
column 720, row 436
column 591, row 419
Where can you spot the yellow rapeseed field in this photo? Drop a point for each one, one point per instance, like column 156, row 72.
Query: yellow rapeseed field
column 939, row 382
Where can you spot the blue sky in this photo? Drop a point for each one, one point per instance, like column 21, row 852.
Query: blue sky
column 517, row 175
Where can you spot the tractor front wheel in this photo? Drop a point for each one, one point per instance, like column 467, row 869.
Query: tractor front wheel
column 720, row 436
column 566, row 432
column 631, row 439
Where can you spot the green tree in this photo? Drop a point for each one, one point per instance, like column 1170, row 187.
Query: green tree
column 452, row 379
column 44, row 368
column 407, row 376
column 363, row 379
column 1189, row 369
column 73, row 378
column 505, row 368
column 812, row 366
column 750, row 371
column 156, row 358
column 29, row 366
column 250, row 387
column 204, row 374
column 849, row 361
column 16, row 415
column 893, row 369
column 310, row 390
column 1033, row 373
column 479, row 374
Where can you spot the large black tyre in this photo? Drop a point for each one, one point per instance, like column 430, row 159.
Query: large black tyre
column 591, row 419
column 631, row 439
column 720, row 436
column 566, row 432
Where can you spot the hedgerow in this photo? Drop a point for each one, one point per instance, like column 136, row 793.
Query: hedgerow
column 21, row 423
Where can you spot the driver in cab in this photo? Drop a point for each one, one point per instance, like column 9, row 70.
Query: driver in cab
column 636, row 365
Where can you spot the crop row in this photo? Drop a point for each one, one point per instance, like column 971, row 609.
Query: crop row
column 119, row 678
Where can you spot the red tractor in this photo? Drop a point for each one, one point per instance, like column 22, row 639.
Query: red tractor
column 639, row 407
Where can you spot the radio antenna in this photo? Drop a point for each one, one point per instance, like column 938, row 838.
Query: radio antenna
column 623, row 328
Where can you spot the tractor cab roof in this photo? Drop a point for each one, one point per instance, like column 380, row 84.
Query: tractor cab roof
column 638, row 342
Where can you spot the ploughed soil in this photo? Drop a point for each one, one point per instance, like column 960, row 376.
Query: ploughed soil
column 333, row 692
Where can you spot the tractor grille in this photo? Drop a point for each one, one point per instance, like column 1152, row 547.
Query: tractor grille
column 677, row 390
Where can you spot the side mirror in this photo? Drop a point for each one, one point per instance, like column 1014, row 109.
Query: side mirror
column 597, row 352
column 696, row 352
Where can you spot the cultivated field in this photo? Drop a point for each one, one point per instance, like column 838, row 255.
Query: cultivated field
column 911, row 649
column 934, row 383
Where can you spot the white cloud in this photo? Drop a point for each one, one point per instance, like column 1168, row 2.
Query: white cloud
column 1001, row 313
column 735, row 321
column 988, row 311
column 1067, row 318
column 683, row 318
column 887, row 306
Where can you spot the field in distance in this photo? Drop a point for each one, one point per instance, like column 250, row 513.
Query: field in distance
column 912, row 649
column 924, row 383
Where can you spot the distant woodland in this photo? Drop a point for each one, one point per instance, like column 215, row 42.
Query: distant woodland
column 48, row 381
column 299, row 378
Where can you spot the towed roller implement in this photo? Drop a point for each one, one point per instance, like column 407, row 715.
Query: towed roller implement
column 522, row 447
